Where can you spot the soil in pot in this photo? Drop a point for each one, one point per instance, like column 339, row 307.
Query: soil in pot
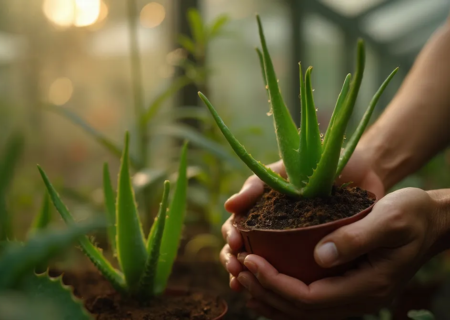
column 277, row 211
column 105, row 303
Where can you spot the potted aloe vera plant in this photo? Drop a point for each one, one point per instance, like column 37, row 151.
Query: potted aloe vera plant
column 139, row 290
column 294, row 214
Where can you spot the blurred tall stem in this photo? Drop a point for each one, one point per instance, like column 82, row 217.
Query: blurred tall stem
column 139, row 107
column 136, row 77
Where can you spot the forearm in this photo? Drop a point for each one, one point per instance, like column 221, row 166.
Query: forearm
column 416, row 124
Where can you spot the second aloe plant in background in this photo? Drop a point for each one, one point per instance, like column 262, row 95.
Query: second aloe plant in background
column 312, row 163
column 146, row 263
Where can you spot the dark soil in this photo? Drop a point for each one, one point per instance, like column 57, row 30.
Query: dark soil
column 105, row 303
column 277, row 211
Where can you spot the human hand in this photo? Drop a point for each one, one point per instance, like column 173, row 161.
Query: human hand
column 358, row 170
column 403, row 231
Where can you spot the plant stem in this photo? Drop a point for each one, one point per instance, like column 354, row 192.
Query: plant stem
column 137, row 87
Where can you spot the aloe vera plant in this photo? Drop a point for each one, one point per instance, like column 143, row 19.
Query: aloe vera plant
column 27, row 295
column 312, row 163
column 145, row 263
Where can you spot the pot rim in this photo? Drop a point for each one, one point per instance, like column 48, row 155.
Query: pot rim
column 371, row 195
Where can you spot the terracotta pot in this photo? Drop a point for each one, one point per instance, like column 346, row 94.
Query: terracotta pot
column 181, row 292
column 292, row 251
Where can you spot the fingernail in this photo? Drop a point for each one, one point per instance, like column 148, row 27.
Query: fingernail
column 243, row 280
column 241, row 256
column 327, row 253
column 253, row 267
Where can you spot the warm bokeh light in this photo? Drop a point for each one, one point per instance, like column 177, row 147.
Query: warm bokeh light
column 80, row 13
column 87, row 12
column 61, row 91
column 152, row 15
column 60, row 12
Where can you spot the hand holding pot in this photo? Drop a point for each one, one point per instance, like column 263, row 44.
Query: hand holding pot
column 404, row 230
column 358, row 170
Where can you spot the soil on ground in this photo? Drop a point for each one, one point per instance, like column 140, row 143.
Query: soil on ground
column 105, row 303
column 277, row 211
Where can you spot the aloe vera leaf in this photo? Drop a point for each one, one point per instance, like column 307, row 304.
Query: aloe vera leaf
column 108, row 194
column 18, row 259
column 42, row 220
column 351, row 145
column 312, row 126
column 155, row 106
column 43, row 287
column 322, row 179
column 131, row 250
column 339, row 104
column 274, row 180
column 147, row 281
column 263, row 70
column 173, row 226
column 285, row 128
column 12, row 153
column 97, row 258
column 304, row 166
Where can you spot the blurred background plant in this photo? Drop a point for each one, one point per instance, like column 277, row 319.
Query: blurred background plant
column 109, row 66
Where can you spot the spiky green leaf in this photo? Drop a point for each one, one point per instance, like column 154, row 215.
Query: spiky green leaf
column 272, row 179
column 108, row 271
column 338, row 106
column 263, row 70
column 44, row 288
column 285, row 129
column 131, row 251
column 147, row 281
column 18, row 259
column 321, row 181
column 173, row 226
column 313, row 140
column 351, row 145
column 108, row 194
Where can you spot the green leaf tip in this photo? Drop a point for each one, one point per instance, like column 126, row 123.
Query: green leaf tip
column 173, row 225
column 147, row 281
column 96, row 257
column 272, row 179
column 131, row 251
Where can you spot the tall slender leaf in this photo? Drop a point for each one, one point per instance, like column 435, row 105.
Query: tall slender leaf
column 113, row 276
column 351, row 145
column 274, row 180
column 108, row 194
column 321, row 181
column 313, row 133
column 263, row 70
column 173, row 226
column 217, row 25
column 304, row 163
column 286, row 131
column 196, row 25
column 131, row 250
column 337, row 108
column 147, row 282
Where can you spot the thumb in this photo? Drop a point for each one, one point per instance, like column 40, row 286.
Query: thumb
column 349, row 242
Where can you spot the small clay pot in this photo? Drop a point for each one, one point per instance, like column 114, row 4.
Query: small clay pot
column 291, row 251
column 180, row 292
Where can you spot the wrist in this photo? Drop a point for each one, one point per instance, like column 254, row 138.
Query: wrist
column 441, row 218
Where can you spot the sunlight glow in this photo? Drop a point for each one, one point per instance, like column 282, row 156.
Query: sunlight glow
column 79, row 13
column 60, row 91
column 152, row 15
